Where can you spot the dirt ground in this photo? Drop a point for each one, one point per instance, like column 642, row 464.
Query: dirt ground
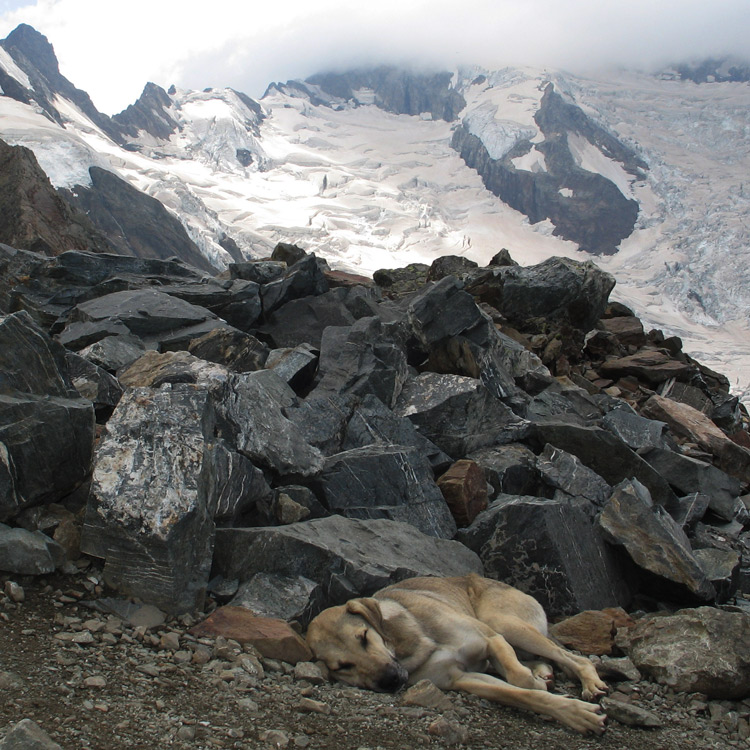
column 93, row 681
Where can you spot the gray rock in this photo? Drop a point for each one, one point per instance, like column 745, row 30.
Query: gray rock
column 147, row 516
column 634, row 430
column 703, row 650
column 303, row 279
column 347, row 557
column 113, row 353
column 282, row 596
column 690, row 509
column 95, row 384
column 234, row 349
column 322, row 419
column 28, row 552
column 549, row 549
column 630, row 714
column 385, row 481
column 565, row 472
column 655, row 543
column 296, row 366
column 510, row 469
column 28, row 735
column 722, row 568
column 458, row 413
column 153, row 370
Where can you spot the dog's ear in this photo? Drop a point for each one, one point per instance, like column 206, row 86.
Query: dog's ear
column 369, row 609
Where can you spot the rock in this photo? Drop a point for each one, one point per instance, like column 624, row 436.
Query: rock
column 632, row 715
column 46, row 428
column 14, row 592
column 285, row 252
column 425, row 694
column 722, row 568
column 510, row 469
column 626, row 329
column 113, row 353
column 303, row 278
column 280, row 596
column 654, row 542
column 345, row 557
column 450, row 732
column 94, row 384
column 234, row 349
column 309, row 672
column 28, row 735
column 620, row 669
column 153, row 370
column 385, row 481
column 144, row 616
column 689, row 423
column 635, row 431
column 399, row 282
column 701, row 650
column 148, row 517
column 259, row 271
column 652, row 366
column 457, row 413
column 548, row 549
column 450, row 265
column 28, row 552
column 273, row 638
column 591, row 632
column 465, row 490
column 564, row 471
column 690, row 510
column 296, row 366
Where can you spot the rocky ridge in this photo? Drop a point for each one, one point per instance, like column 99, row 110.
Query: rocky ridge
column 281, row 437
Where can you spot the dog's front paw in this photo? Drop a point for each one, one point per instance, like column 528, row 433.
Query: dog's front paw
column 594, row 689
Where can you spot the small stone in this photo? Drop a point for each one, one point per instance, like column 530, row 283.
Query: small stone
column 425, row 694
column 170, row 642
column 83, row 638
column 186, row 733
column 182, row 657
column 310, row 706
column 96, row 681
column 14, row 592
column 275, row 738
column 448, row 731
column 310, row 672
column 627, row 713
column 28, row 734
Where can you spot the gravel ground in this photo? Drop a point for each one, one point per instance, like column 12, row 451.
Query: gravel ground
column 92, row 681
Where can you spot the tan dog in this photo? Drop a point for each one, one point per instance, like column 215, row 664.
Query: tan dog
column 449, row 631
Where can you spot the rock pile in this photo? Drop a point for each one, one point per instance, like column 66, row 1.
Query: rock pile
column 290, row 436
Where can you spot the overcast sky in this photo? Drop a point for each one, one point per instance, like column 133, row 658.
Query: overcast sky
column 112, row 49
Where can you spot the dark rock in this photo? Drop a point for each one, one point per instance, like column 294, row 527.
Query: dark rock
column 322, row 420
column 636, row 431
column 28, row 552
column 722, row 568
column 259, row 271
column 655, row 543
column 385, row 481
column 149, row 517
column 450, row 265
column 690, row 509
column 303, row 279
column 458, row 413
column 502, row 258
column 94, row 384
column 234, row 349
column 627, row 330
column 285, row 252
column 28, row 735
column 346, row 557
column 510, row 469
column 550, row 550
column 653, row 366
column 150, row 113
column 703, row 650
column 563, row 471
column 113, row 353
column 400, row 282
column 296, row 366
column 285, row 597
column 153, row 370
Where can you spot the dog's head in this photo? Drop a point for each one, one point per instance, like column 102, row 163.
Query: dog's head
column 350, row 640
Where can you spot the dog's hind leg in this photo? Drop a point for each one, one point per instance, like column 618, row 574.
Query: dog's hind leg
column 581, row 716
column 520, row 634
column 505, row 661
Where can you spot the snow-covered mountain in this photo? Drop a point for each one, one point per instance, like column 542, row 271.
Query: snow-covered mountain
column 381, row 168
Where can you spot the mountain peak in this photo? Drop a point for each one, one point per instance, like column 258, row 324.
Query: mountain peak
column 35, row 47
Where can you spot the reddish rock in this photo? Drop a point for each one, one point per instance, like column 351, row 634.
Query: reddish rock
column 651, row 365
column 274, row 638
column 628, row 330
column 592, row 631
column 465, row 490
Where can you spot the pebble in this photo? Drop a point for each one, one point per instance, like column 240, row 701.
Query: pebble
column 275, row 738
column 14, row 592
column 96, row 681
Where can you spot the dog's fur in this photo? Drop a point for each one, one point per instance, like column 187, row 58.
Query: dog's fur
column 450, row 631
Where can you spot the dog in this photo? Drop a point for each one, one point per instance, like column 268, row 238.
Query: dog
column 450, row 631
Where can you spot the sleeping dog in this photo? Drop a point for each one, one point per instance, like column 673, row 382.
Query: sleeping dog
column 450, row 631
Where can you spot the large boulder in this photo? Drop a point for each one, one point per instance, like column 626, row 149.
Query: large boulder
column 550, row 549
column 385, row 481
column 655, row 543
column 149, row 517
column 703, row 650
column 46, row 427
column 347, row 557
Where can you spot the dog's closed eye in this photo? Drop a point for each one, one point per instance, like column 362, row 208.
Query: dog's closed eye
column 363, row 638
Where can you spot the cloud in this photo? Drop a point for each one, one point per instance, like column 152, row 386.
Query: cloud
column 247, row 45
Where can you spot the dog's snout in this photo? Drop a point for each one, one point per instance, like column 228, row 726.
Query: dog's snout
column 392, row 678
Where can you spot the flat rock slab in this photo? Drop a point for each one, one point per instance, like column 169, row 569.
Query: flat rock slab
column 274, row 638
column 592, row 631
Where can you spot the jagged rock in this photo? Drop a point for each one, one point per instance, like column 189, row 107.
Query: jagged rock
column 285, row 252
column 252, row 412
column 28, row 735
column 322, row 420
column 385, row 481
column 691, row 424
column 302, row 279
column 236, row 350
column 94, row 384
column 450, row 265
column 689, row 475
column 306, row 505
column 148, row 517
column 591, row 631
column 627, row 330
column 46, row 428
column 605, row 454
column 400, row 282
column 722, row 568
column 563, row 471
column 510, row 469
column 690, row 510
column 284, row 597
column 273, row 638
column 296, row 366
column 703, row 650
column 113, row 353
column 28, row 552
column 259, row 271
column 361, row 360
column 558, row 289
column 457, row 413
column 566, row 403
column 153, row 370
column 373, row 422
column 465, row 490
column 346, row 557
column 634, row 430
column 650, row 365
column 654, row 541
column 549, row 549
column 630, row 714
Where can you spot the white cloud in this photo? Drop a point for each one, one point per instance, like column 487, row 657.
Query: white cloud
column 247, row 44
